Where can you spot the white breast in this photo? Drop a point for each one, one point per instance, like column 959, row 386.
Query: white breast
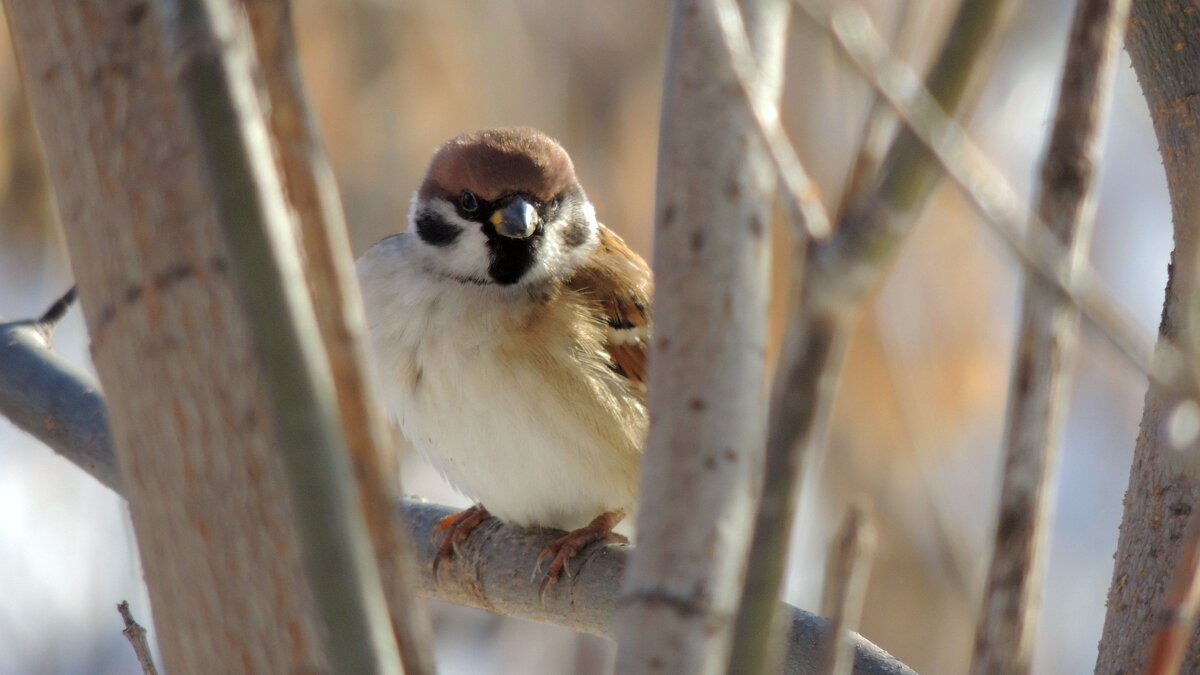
column 512, row 401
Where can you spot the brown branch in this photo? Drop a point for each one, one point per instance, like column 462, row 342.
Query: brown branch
column 1178, row 618
column 216, row 80
column 310, row 188
column 137, row 637
column 1163, row 42
column 1046, row 337
column 845, row 588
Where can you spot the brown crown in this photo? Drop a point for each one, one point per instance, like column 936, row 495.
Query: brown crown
column 498, row 162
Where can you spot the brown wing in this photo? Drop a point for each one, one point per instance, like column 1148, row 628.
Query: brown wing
column 620, row 283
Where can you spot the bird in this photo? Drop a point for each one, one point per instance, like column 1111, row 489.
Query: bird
column 511, row 330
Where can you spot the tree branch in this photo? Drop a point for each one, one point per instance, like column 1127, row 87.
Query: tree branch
column 823, row 306
column 702, row 462
column 1046, row 338
column 493, row 566
column 312, row 191
column 137, row 638
column 214, row 72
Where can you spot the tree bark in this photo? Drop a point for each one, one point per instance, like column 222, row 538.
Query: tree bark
column 312, row 191
column 1164, row 42
column 708, row 422
column 1045, row 342
column 169, row 341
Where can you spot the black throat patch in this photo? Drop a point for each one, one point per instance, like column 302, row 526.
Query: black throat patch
column 511, row 258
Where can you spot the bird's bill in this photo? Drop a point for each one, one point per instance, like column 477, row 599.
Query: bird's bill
column 517, row 220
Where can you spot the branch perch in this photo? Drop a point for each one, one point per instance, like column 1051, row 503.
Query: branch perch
column 58, row 403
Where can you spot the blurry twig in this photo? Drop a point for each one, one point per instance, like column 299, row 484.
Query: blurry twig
column 337, row 303
column 802, row 195
column 845, row 589
column 823, row 305
column 1046, row 338
column 880, row 124
column 49, row 320
column 1179, row 616
column 987, row 189
column 137, row 637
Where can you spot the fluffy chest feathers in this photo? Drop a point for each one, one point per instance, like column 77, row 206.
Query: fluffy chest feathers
column 512, row 393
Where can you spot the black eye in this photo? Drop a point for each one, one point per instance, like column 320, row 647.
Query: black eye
column 467, row 201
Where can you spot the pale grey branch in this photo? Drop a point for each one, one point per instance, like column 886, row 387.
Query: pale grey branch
column 137, row 637
column 701, row 469
column 492, row 573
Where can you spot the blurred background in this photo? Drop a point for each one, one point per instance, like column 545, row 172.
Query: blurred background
column 920, row 409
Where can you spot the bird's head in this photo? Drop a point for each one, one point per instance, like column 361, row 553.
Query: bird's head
column 503, row 207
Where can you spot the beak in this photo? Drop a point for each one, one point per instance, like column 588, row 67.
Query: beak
column 518, row 220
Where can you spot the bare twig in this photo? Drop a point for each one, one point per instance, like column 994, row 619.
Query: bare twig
column 311, row 189
column 845, row 589
column 802, row 195
column 715, row 187
column 137, row 637
column 823, row 305
column 490, row 573
column 216, row 78
column 49, row 320
column 987, row 189
column 880, row 124
column 1004, row 638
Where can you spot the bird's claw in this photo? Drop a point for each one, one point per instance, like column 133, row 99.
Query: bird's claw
column 562, row 550
column 455, row 529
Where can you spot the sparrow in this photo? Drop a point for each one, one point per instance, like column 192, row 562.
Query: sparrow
column 511, row 330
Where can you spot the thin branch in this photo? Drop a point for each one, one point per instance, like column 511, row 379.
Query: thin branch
column 1046, row 337
column 880, row 124
column 984, row 185
column 1179, row 616
column 49, row 320
column 491, row 571
column 137, row 637
column 215, row 76
column 311, row 189
column 803, row 197
column 823, row 305
column 845, row 589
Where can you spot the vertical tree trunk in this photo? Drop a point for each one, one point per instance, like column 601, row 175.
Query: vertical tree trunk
column 1164, row 43
column 715, row 183
column 204, row 485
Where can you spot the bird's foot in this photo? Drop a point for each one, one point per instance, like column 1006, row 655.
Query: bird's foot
column 562, row 550
column 456, row 528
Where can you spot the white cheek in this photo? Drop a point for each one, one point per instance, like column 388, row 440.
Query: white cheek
column 467, row 257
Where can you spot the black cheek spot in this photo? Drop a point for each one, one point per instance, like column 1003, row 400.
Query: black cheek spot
column 576, row 232
column 435, row 231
